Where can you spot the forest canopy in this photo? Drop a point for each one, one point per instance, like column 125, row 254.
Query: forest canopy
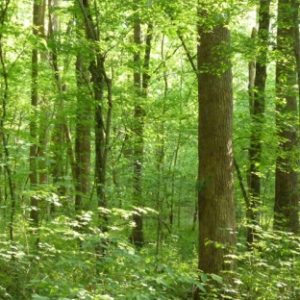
column 149, row 149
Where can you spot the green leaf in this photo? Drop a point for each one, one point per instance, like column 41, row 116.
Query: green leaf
column 217, row 278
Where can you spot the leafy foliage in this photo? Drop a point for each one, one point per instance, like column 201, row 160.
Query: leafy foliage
column 88, row 253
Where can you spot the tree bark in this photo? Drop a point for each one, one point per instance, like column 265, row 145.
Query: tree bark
column 5, row 153
column 138, row 147
column 58, row 136
column 295, row 4
column 100, row 80
column 38, row 31
column 83, row 134
column 257, row 110
column 286, row 182
column 160, row 155
column 141, row 79
column 215, row 194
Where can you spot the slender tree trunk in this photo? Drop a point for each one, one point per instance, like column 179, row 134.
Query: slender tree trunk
column 173, row 182
column 100, row 80
column 295, row 4
column 43, row 117
column 257, row 110
column 160, row 181
column 70, row 152
column 38, row 31
column 83, row 133
column 58, row 137
column 5, row 149
column 43, row 140
column 251, row 74
column 160, row 158
column 215, row 196
column 286, row 182
column 102, row 139
column 138, row 147
column 141, row 79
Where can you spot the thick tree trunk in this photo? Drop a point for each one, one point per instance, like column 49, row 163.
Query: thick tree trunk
column 38, row 30
column 257, row 109
column 215, row 196
column 286, row 183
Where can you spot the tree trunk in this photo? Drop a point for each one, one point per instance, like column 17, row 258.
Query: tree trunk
column 38, row 31
column 141, row 79
column 173, row 180
column 295, row 4
column 5, row 153
column 215, row 195
column 83, row 133
column 286, row 182
column 58, row 138
column 100, row 80
column 138, row 147
column 160, row 155
column 257, row 109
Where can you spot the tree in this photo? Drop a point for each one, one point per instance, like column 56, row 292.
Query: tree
column 215, row 187
column 257, row 110
column 104, row 94
column 83, row 132
column 100, row 80
column 141, row 79
column 59, row 130
column 38, row 32
column 5, row 154
column 286, row 182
